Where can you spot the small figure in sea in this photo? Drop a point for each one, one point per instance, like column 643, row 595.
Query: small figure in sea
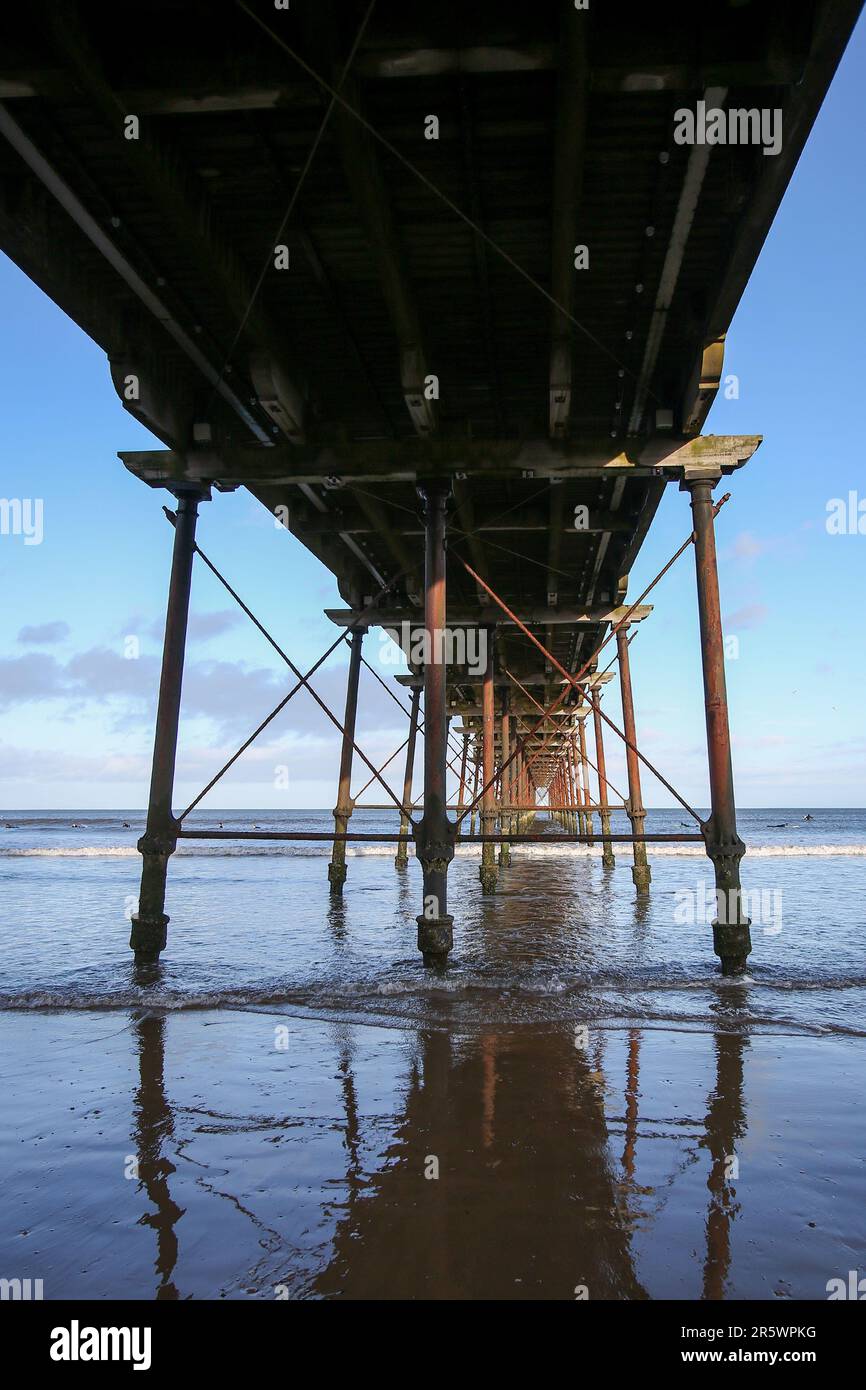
column 9, row 825
column 221, row 825
column 126, row 825
column 78, row 825
column 808, row 817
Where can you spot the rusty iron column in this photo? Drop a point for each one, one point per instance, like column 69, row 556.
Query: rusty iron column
column 531, row 790
column 641, row 873
column 475, row 784
column 345, row 805
column 435, row 834
column 461, row 792
column 402, row 857
column 159, row 841
column 505, row 787
column 577, row 816
column 563, row 795
column 487, row 872
column 731, row 937
column 577, row 785
column 607, row 855
column 584, row 764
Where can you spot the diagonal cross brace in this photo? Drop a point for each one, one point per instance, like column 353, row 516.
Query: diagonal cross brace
column 573, row 680
column 302, row 680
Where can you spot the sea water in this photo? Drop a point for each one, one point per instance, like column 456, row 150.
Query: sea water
column 253, row 924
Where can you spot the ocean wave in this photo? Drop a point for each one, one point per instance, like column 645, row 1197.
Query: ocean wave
column 322, row 849
column 605, row 991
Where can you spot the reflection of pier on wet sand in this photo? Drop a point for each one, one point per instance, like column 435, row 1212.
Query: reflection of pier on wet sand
column 300, row 1172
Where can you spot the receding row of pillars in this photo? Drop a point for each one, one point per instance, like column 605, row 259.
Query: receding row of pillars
column 435, row 834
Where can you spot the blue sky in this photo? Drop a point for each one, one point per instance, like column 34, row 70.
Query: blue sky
column 76, row 716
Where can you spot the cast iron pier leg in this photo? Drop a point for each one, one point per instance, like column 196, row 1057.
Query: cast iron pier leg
column 505, row 787
column 344, row 806
column 402, row 858
column 464, row 758
column 731, row 938
column 476, row 765
column 607, row 857
column 584, row 764
column 435, row 834
column 637, row 815
column 487, row 872
column 159, row 841
column 578, row 817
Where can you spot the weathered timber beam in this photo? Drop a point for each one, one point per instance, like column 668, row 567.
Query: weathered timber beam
column 93, row 230
column 465, row 517
column 207, row 93
column 405, row 460
column 475, row 208
column 598, row 524
column 568, row 156
column 703, row 386
column 654, row 492
column 409, row 562
column 690, row 192
column 489, row 617
column 364, row 176
column 182, row 208
column 501, row 682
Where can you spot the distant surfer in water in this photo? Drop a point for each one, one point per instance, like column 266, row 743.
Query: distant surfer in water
column 808, row 817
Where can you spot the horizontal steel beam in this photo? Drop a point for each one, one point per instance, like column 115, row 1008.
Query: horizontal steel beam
column 209, row 94
column 321, row 835
column 598, row 523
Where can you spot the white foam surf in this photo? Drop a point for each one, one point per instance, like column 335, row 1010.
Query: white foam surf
column 297, row 849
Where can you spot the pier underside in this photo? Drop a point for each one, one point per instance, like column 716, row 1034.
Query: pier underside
column 442, row 288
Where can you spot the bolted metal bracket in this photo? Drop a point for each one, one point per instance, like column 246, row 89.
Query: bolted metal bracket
column 435, row 938
column 162, row 842
column 435, row 853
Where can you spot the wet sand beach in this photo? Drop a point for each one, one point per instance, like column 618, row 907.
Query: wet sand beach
column 299, row 1164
